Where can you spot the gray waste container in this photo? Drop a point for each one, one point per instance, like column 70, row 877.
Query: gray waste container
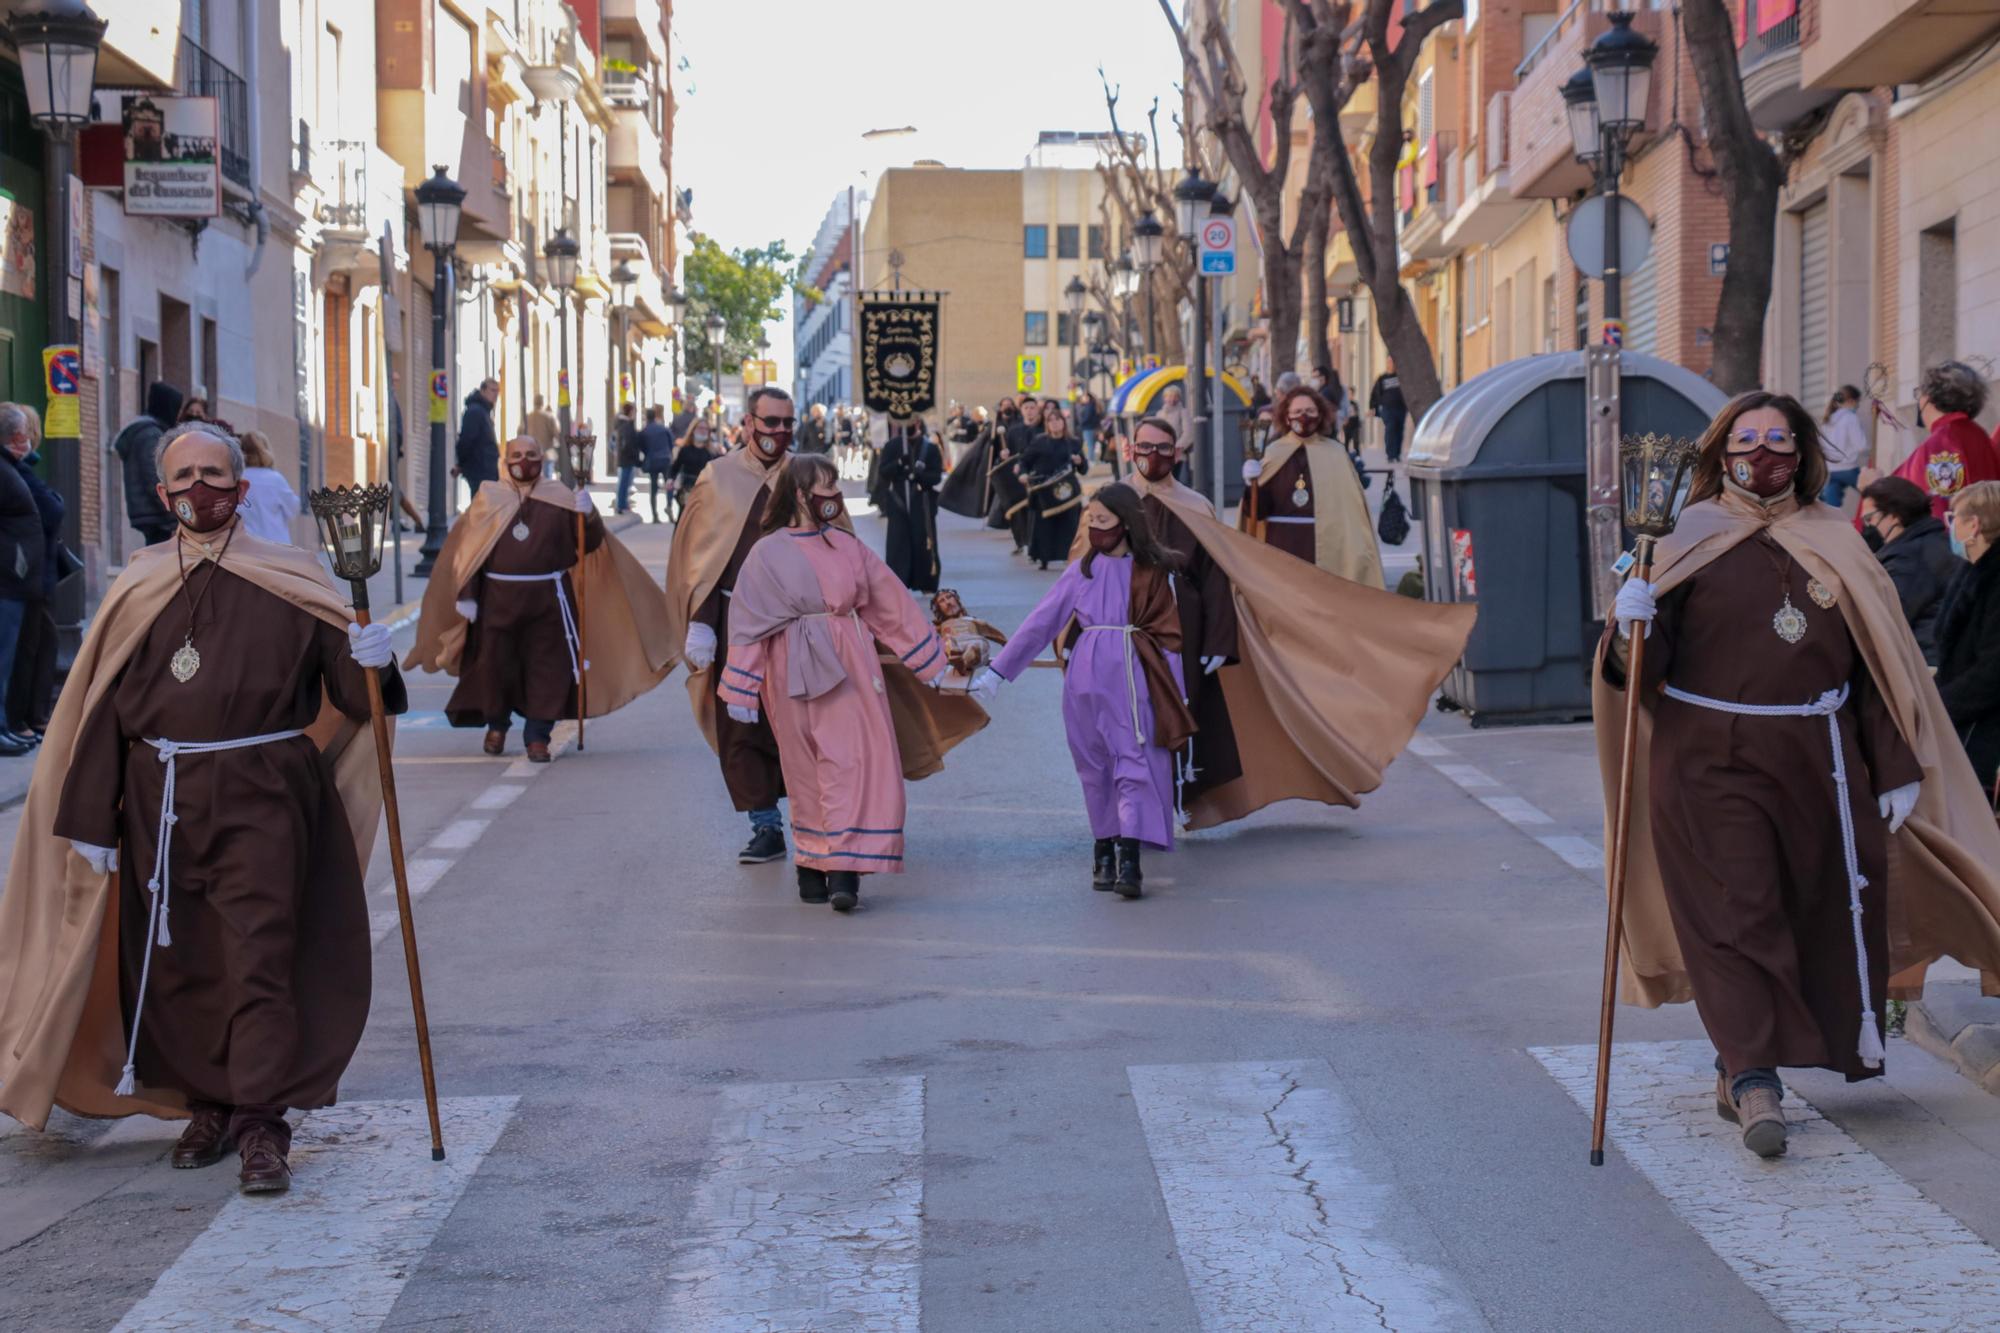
column 1497, row 479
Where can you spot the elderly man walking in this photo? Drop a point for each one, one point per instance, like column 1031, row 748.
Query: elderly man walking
column 199, row 819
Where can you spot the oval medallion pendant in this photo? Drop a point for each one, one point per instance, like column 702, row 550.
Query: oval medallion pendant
column 184, row 663
column 520, row 532
column 1789, row 622
column 1821, row 594
column 1301, row 497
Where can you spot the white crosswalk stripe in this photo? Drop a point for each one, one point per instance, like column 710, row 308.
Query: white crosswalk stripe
column 334, row 1253
column 1828, row 1235
column 811, row 1216
column 1280, row 1215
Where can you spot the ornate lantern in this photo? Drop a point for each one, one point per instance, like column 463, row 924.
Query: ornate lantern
column 352, row 523
column 1656, row 471
column 582, row 455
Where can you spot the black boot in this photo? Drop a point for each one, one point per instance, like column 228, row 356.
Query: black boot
column 812, row 885
column 1104, row 866
column 1128, row 884
column 843, row 889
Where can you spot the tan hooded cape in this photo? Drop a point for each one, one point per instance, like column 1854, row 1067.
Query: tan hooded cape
column 928, row 722
column 1944, row 864
column 1334, row 675
column 629, row 641
column 1343, row 536
column 62, row 1033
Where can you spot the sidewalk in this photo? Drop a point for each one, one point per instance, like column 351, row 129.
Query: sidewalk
column 400, row 615
column 1958, row 1025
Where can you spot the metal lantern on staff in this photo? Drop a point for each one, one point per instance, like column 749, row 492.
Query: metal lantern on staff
column 352, row 523
column 581, row 448
column 1655, row 474
column 1256, row 438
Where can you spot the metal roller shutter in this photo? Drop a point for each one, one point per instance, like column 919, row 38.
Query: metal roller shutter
column 1642, row 308
column 1814, row 378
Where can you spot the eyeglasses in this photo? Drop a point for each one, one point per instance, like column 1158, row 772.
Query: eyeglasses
column 1141, row 448
column 777, row 423
column 1750, row 438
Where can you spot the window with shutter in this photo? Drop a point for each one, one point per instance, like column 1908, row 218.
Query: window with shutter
column 1813, row 307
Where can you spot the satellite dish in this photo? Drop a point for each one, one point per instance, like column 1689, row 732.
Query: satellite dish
column 1586, row 236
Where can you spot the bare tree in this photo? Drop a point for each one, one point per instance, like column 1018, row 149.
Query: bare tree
column 1216, row 74
column 1752, row 174
column 1337, row 53
column 1135, row 184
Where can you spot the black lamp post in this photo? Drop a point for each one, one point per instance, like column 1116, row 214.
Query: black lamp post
column 1124, row 284
column 1191, row 203
column 623, row 278
column 562, row 253
column 440, row 203
column 1073, row 295
column 1606, row 104
column 1147, row 235
column 58, row 41
column 718, row 333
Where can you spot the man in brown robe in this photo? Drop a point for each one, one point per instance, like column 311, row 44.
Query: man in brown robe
column 1304, row 496
column 718, row 527
column 503, row 612
column 219, row 697
column 1789, row 743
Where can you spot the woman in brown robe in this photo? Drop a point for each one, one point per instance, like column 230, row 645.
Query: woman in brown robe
column 1746, row 810
column 257, row 985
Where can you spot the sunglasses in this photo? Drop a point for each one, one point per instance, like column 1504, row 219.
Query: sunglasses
column 1749, row 438
column 777, row 423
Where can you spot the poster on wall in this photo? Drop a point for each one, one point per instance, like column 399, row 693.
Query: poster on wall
column 899, row 356
column 172, row 169
column 17, row 248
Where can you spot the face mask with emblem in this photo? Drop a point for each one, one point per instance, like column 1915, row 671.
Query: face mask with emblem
column 203, row 507
column 1105, row 540
column 827, row 509
column 528, row 469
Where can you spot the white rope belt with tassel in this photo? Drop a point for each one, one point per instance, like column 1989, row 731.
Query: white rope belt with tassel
column 1828, row 706
column 1131, row 671
column 568, row 616
column 161, row 884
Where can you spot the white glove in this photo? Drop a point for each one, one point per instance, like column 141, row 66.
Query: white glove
column 1253, row 468
column 1211, row 665
column 747, row 716
column 469, row 609
column 369, row 645
column 103, row 860
column 700, row 647
column 1635, row 603
column 583, row 502
column 1896, row 805
column 985, row 685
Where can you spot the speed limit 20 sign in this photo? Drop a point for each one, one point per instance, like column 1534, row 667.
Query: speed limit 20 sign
column 1218, row 247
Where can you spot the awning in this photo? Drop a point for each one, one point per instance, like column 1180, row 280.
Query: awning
column 1135, row 396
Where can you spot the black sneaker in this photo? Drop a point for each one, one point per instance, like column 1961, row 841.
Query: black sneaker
column 766, row 844
column 1104, row 866
column 812, row 885
column 843, row 889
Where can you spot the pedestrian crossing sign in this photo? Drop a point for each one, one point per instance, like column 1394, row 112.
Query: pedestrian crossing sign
column 1028, row 374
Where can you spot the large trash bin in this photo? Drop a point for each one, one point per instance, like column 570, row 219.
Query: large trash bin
column 1497, row 478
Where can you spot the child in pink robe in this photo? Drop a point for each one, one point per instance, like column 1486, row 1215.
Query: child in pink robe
column 807, row 610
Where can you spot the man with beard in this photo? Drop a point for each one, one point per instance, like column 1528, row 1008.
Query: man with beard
column 718, row 526
column 501, row 612
column 906, row 491
column 1303, row 496
column 220, row 974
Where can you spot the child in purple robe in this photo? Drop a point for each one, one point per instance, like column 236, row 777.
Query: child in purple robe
column 1122, row 705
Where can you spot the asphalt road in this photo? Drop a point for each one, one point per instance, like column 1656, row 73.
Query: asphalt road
column 1323, row 1076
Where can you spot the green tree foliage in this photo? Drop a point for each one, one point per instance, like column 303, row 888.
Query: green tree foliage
column 743, row 286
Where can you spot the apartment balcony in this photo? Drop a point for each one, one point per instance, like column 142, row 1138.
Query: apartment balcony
column 1768, row 56
column 202, row 75
column 634, row 145
column 1887, row 42
column 640, row 19
column 1422, row 237
column 419, row 130
column 1487, row 206
column 1543, row 162
column 362, row 190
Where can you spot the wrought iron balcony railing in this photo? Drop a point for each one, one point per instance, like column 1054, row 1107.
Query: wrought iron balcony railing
column 202, row 75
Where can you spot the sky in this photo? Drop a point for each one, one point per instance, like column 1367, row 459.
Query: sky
column 775, row 95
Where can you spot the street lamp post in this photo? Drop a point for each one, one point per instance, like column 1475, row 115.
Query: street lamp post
column 1606, row 105
column 562, row 252
column 676, row 311
column 1147, row 235
column 440, row 203
column 1073, row 296
column 1125, row 282
column 623, row 278
column 1191, row 203
column 58, row 41
column 718, row 333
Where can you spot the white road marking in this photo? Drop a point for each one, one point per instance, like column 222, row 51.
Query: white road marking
column 1280, row 1219
column 458, row 835
column 424, row 873
column 1515, row 810
column 1465, row 775
column 1426, row 748
column 498, row 796
column 1828, row 1235
column 1580, row 853
column 334, row 1253
column 811, row 1216
column 1577, row 852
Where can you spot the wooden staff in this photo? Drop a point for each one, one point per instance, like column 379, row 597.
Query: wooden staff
column 1621, row 825
column 379, row 718
column 582, row 657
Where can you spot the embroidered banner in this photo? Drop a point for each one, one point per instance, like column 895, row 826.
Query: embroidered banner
column 899, row 356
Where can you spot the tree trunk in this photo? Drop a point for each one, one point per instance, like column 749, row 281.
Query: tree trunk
column 1751, row 180
column 1319, row 343
column 1281, row 275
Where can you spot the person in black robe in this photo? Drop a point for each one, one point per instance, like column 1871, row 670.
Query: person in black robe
column 910, row 468
column 1055, row 463
column 968, row 489
column 1010, row 477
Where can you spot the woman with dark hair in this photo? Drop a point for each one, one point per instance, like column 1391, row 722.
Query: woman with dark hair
column 1304, row 496
column 1114, row 612
column 1055, row 464
column 1792, row 728
column 808, row 607
column 1957, row 452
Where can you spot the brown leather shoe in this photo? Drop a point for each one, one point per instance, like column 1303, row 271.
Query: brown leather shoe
column 1725, row 1105
column 265, row 1170
column 1762, row 1120
column 205, row 1139
column 538, row 752
column 496, row 742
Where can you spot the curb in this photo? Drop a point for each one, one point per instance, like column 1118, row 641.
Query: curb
column 1961, row 1027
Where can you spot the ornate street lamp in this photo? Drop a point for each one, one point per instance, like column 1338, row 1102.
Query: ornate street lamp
column 718, row 334
column 1586, row 131
column 58, row 41
column 562, row 253
column 440, row 203
column 1147, row 235
column 1192, row 198
column 1073, row 295
column 623, row 279
column 1621, row 66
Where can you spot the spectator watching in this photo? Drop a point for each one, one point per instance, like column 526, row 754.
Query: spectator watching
column 1916, row 551
column 1968, row 676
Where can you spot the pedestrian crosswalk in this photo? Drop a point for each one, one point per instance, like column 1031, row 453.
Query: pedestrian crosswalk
column 1282, row 1204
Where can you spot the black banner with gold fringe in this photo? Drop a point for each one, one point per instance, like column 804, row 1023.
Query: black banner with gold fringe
column 899, row 353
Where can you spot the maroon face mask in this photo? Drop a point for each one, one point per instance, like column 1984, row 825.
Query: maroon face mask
column 1763, row 471
column 528, row 469
column 827, row 509
column 1105, row 540
column 1155, row 467
column 203, row 507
